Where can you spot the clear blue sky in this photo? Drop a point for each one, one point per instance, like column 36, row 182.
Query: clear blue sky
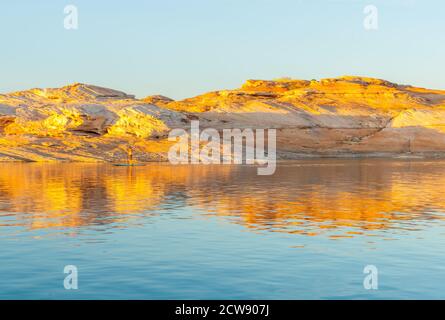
column 181, row 48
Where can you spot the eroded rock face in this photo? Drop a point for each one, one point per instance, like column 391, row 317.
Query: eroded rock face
column 78, row 122
column 346, row 115
column 76, row 92
column 340, row 116
column 158, row 100
column 83, row 109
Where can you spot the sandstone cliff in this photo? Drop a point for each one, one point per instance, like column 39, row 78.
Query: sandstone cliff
column 347, row 116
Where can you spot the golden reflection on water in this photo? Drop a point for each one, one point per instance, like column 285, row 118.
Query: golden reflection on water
column 305, row 197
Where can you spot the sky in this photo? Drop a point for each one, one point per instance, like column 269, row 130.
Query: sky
column 182, row 48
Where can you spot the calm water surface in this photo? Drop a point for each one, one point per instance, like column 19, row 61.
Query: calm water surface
column 222, row 232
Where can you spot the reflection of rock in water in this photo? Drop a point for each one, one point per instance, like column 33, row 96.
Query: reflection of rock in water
column 306, row 197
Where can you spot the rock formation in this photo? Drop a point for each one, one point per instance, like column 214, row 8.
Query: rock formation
column 346, row 116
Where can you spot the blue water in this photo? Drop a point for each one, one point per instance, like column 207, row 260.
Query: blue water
column 222, row 232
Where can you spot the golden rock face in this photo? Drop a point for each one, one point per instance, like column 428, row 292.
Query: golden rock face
column 346, row 115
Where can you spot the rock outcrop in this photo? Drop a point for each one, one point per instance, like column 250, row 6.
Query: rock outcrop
column 79, row 123
column 346, row 116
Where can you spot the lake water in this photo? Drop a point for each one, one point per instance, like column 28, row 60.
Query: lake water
column 222, row 232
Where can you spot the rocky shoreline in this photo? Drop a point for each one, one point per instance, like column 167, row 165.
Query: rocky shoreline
column 346, row 117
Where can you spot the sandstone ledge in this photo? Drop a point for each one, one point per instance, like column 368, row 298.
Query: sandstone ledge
column 340, row 117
